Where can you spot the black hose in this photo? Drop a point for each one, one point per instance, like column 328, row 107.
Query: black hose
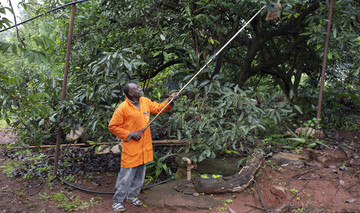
column 49, row 11
column 82, row 189
column 97, row 192
column 161, row 182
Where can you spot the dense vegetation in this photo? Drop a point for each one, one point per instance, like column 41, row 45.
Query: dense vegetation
column 259, row 84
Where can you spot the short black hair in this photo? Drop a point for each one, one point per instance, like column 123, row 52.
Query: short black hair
column 126, row 89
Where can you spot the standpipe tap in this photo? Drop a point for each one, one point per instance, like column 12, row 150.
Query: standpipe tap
column 188, row 167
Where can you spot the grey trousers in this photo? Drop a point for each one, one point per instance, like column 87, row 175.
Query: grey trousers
column 129, row 183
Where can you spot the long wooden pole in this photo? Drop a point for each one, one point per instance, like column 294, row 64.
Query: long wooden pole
column 318, row 116
column 63, row 94
column 155, row 143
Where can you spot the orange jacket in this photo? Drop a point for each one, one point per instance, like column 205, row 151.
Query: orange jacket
column 128, row 118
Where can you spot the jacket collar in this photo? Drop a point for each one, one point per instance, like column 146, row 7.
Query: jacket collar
column 132, row 103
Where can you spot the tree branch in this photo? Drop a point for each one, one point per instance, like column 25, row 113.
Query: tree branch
column 281, row 59
column 294, row 26
column 153, row 73
column 17, row 29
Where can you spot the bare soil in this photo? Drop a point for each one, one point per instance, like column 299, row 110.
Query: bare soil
column 324, row 181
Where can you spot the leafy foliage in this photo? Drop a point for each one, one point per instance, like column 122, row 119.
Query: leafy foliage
column 157, row 43
column 4, row 22
column 226, row 117
column 98, row 87
column 27, row 100
column 27, row 166
column 158, row 166
column 305, row 136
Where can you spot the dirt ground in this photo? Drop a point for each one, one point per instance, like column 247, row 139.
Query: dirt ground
column 308, row 181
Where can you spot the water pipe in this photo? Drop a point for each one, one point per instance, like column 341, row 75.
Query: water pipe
column 188, row 167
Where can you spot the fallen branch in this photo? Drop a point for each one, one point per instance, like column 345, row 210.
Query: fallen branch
column 261, row 199
column 235, row 183
column 304, row 173
column 286, row 207
column 309, row 210
column 356, row 184
column 342, row 149
column 288, row 203
column 37, row 192
column 169, row 142
column 255, row 207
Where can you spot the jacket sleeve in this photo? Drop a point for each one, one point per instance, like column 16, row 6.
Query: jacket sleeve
column 116, row 125
column 155, row 107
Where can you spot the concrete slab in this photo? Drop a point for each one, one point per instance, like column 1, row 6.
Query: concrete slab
column 165, row 195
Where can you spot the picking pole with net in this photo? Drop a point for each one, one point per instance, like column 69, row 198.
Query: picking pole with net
column 207, row 63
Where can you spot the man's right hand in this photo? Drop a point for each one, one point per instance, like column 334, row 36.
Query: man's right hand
column 137, row 135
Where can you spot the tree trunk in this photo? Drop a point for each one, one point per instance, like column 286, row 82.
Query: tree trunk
column 235, row 183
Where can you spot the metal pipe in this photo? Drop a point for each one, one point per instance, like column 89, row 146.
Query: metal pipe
column 63, row 94
column 207, row 63
column 188, row 167
column 318, row 116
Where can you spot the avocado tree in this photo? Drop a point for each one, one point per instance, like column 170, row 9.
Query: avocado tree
column 149, row 41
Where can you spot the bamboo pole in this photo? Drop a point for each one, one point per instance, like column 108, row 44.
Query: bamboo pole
column 159, row 142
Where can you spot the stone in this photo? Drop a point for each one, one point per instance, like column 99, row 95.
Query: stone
column 74, row 135
column 106, row 150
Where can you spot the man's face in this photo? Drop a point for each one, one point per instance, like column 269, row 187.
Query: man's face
column 135, row 91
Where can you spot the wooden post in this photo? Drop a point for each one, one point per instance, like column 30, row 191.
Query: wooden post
column 318, row 116
column 63, row 94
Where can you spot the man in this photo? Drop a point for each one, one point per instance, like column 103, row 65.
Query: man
column 127, row 123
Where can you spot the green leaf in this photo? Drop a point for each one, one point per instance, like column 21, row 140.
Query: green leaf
column 207, row 153
column 291, row 132
column 300, row 140
column 31, row 57
column 178, row 134
column 321, row 143
column 39, row 41
column 298, row 108
column 204, row 83
column 14, row 49
column 329, row 55
column 157, row 53
column 41, row 122
column 47, row 42
column 166, row 56
column 201, row 158
column 4, row 46
column 94, row 126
